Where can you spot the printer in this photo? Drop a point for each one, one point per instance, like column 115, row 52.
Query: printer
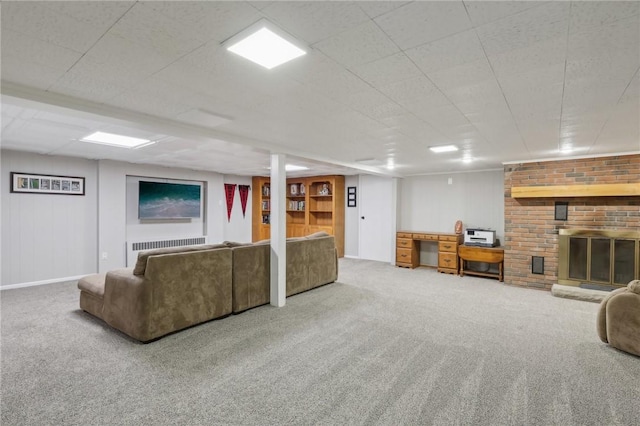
column 480, row 237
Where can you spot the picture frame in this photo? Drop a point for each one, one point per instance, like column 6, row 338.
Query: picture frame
column 351, row 196
column 33, row 183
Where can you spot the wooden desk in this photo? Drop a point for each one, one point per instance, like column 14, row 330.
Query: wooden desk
column 408, row 249
column 481, row 254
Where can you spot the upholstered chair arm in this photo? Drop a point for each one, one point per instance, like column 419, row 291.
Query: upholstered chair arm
column 127, row 300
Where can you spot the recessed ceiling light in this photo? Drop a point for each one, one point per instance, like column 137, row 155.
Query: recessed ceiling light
column 292, row 168
column 264, row 44
column 391, row 164
column 443, row 148
column 467, row 160
column 115, row 140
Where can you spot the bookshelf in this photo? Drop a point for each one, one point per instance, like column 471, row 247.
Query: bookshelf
column 313, row 204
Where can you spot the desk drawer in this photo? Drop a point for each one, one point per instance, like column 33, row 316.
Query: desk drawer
column 403, row 242
column 425, row 237
column 448, row 238
column 447, row 246
column 447, row 260
column 404, row 255
column 403, row 235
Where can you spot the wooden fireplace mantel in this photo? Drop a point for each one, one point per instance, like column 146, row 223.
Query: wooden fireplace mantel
column 601, row 190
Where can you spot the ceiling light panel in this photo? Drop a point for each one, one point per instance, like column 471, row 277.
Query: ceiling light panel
column 115, row 140
column 265, row 44
column 443, row 148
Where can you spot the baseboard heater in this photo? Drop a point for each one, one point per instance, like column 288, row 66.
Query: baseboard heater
column 134, row 248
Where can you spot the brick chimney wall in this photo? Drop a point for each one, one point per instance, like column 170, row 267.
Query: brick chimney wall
column 530, row 228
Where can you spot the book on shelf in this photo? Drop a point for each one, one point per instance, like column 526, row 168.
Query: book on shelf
column 265, row 219
column 266, row 204
column 296, row 205
column 266, row 190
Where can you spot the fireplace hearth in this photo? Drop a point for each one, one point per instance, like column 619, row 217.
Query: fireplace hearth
column 598, row 259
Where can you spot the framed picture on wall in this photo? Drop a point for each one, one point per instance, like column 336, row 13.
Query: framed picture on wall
column 351, row 196
column 31, row 183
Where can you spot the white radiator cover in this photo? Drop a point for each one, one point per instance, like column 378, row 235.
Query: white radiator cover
column 134, row 247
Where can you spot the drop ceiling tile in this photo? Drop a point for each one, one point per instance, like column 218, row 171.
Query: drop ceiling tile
column 315, row 21
column 36, row 20
column 422, row 22
column 541, row 84
column 374, row 9
column 28, row 73
column 148, row 104
column 443, row 118
column 112, row 51
column 432, row 101
column 219, row 63
column 535, row 56
column 81, row 82
column 99, row 14
column 417, row 87
column 483, row 12
column 364, row 43
column 447, row 52
column 619, row 39
column 154, row 31
column 374, row 105
column 547, row 21
column 485, row 92
column 462, row 75
column 339, row 85
column 631, row 94
column 389, row 70
column 211, row 20
column 586, row 15
column 30, row 49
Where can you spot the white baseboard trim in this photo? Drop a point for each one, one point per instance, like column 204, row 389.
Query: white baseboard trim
column 34, row 283
column 351, row 257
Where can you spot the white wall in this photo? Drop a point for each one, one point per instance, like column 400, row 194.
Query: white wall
column 112, row 202
column 351, row 222
column 431, row 203
column 239, row 227
column 45, row 236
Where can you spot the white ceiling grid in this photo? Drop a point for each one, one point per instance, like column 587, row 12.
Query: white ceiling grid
column 503, row 80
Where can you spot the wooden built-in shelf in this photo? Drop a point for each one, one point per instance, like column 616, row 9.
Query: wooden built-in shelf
column 600, row 190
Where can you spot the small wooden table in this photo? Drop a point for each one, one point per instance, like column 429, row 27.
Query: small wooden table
column 481, row 254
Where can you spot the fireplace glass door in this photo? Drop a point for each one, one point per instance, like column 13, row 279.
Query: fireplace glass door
column 609, row 258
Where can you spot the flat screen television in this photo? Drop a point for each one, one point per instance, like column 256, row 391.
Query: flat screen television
column 158, row 200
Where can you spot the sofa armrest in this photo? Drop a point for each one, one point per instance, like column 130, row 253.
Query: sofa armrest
column 127, row 300
column 601, row 321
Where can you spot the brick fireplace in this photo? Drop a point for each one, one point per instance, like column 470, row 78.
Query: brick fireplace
column 530, row 225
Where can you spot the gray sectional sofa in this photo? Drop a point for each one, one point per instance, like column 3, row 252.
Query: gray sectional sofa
column 172, row 289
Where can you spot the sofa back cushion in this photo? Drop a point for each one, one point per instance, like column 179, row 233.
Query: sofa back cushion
column 141, row 264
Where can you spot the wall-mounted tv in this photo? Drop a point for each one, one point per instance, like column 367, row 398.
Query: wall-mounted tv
column 158, row 200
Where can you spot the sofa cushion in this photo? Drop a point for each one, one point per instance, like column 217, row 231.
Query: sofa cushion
column 233, row 244
column 317, row 235
column 93, row 284
column 141, row 264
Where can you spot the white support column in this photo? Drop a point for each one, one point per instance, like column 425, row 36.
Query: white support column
column 278, row 230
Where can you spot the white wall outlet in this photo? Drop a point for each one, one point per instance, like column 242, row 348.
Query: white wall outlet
column 450, row 181
column 105, row 255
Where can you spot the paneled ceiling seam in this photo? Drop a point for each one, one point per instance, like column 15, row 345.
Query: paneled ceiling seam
column 506, row 101
column 564, row 80
column 604, row 124
column 93, row 45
